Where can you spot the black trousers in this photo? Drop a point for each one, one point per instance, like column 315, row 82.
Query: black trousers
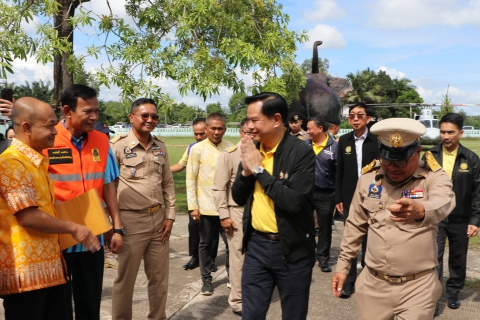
column 194, row 239
column 263, row 269
column 210, row 229
column 323, row 200
column 349, row 284
column 42, row 304
column 86, row 274
column 457, row 254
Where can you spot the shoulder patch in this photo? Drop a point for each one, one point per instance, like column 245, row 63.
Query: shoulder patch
column 158, row 138
column 432, row 163
column 231, row 148
column 369, row 167
column 118, row 137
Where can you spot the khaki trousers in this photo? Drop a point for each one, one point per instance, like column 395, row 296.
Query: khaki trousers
column 412, row 300
column 141, row 239
column 236, row 259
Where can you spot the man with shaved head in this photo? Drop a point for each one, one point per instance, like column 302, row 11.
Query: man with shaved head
column 33, row 276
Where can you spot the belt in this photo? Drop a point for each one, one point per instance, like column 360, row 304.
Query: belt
column 398, row 279
column 269, row 236
column 149, row 210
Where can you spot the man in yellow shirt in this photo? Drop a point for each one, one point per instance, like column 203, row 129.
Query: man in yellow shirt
column 463, row 167
column 275, row 182
column 201, row 167
column 32, row 269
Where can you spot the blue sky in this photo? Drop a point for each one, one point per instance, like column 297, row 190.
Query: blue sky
column 434, row 43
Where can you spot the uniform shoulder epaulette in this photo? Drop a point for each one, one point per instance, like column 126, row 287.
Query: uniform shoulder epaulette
column 118, row 137
column 432, row 163
column 231, row 148
column 158, row 138
column 369, row 167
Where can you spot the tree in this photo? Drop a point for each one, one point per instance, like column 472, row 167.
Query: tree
column 201, row 44
column 112, row 112
column 214, row 108
column 323, row 65
column 37, row 89
column 446, row 106
column 365, row 87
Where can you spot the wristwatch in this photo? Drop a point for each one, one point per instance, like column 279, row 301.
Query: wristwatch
column 257, row 170
column 119, row 231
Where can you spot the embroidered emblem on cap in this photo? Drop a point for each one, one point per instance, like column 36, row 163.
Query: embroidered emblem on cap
column 295, row 117
column 396, row 140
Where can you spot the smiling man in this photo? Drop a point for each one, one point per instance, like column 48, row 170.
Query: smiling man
column 463, row 167
column 400, row 200
column 275, row 182
column 87, row 163
column 146, row 198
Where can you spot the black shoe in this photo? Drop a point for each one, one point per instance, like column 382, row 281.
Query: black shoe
column 453, row 301
column 213, row 267
column 192, row 264
column 347, row 293
column 207, row 288
column 324, row 266
column 238, row 313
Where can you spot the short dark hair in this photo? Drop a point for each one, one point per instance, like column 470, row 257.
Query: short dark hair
column 8, row 129
column 271, row 103
column 455, row 118
column 361, row 105
column 137, row 103
column 198, row 120
column 243, row 122
column 319, row 122
column 71, row 94
column 215, row 116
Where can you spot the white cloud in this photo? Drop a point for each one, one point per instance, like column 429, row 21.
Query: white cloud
column 393, row 73
column 324, row 10
column 331, row 37
column 411, row 14
column 30, row 71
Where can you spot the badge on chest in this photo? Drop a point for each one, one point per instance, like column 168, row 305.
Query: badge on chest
column 413, row 194
column 375, row 189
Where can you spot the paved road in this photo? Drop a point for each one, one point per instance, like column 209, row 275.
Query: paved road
column 185, row 302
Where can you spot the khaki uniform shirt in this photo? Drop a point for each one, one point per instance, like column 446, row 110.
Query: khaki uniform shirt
column 201, row 168
column 396, row 248
column 227, row 166
column 302, row 135
column 145, row 177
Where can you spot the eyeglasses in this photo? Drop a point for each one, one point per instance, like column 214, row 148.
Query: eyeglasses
column 352, row 116
column 145, row 116
column 398, row 163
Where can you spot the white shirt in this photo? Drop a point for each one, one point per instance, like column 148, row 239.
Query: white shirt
column 358, row 149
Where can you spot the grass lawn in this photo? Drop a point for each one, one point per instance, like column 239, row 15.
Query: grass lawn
column 176, row 147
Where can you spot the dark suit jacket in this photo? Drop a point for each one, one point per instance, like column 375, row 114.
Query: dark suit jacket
column 347, row 174
column 4, row 145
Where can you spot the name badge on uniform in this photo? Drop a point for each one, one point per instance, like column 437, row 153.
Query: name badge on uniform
column 130, row 155
column 375, row 191
column 96, row 155
column 413, row 194
column 59, row 156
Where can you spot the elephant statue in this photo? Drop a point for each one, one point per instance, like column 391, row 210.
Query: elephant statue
column 321, row 93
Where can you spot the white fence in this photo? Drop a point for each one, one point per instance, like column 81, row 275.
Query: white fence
column 233, row 132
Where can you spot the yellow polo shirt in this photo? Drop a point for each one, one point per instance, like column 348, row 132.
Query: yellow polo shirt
column 263, row 208
column 449, row 160
column 320, row 147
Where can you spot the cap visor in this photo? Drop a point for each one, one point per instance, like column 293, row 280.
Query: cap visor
column 392, row 154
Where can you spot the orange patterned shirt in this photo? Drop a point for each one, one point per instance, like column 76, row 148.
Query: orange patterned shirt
column 29, row 260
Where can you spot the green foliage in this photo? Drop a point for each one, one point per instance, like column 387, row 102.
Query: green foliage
column 214, row 108
column 81, row 76
column 323, row 65
column 201, row 44
column 372, row 87
column 112, row 112
column 446, row 106
column 36, row 89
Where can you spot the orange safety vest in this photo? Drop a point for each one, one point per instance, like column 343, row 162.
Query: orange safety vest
column 74, row 172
